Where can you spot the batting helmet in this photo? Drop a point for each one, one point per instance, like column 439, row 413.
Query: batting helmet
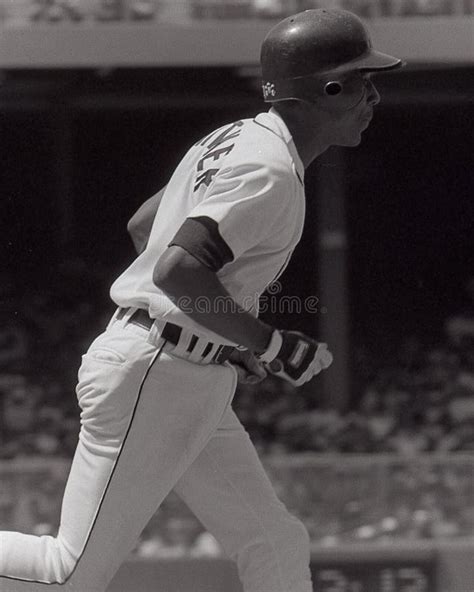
column 301, row 51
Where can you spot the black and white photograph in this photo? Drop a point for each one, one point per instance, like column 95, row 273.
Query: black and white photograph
column 237, row 296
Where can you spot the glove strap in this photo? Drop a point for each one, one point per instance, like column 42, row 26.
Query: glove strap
column 273, row 348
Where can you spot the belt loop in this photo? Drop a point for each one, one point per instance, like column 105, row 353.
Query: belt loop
column 129, row 312
column 121, row 315
column 181, row 348
column 211, row 354
column 154, row 335
column 218, row 353
column 114, row 318
column 196, row 354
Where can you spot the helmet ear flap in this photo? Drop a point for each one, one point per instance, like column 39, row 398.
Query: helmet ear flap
column 333, row 88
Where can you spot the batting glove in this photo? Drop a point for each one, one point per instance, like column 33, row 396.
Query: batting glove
column 294, row 357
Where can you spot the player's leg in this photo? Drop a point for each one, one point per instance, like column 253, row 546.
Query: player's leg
column 144, row 419
column 105, row 396
column 228, row 490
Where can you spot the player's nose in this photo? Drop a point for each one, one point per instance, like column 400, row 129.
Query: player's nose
column 373, row 96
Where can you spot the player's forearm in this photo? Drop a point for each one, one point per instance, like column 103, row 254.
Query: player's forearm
column 199, row 293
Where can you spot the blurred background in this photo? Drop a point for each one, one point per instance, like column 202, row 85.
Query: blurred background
column 98, row 101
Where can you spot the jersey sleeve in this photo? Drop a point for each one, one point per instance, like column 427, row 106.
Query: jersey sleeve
column 241, row 208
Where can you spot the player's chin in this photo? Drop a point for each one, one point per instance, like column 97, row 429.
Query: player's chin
column 357, row 141
column 351, row 141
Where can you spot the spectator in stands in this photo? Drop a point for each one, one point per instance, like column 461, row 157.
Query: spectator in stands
column 406, row 438
column 380, row 420
column 13, row 332
column 19, row 405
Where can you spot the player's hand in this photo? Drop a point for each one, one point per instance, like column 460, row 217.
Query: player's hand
column 249, row 369
column 295, row 357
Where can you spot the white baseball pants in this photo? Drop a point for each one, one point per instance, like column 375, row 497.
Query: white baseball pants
column 151, row 423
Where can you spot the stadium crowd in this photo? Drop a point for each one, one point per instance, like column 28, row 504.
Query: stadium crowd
column 420, row 402
column 28, row 12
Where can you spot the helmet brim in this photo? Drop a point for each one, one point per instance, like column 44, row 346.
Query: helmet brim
column 371, row 61
column 376, row 60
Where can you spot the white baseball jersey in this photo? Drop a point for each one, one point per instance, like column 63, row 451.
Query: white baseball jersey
column 236, row 202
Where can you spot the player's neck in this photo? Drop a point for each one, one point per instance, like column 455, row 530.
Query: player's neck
column 308, row 143
column 308, row 146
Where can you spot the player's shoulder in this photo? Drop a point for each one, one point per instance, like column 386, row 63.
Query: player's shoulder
column 257, row 150
column 262, row 145
column 262, row 136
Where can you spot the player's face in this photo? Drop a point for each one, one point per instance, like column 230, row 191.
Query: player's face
column 349, row 113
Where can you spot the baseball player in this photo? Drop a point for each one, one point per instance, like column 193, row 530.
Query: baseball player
column 155, row 388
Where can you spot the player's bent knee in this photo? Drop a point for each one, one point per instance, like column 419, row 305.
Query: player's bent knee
column 286, row 539
column 277, row 558
column 58, row 562
column 35, row 558
column 293, row 557
column 295, row 537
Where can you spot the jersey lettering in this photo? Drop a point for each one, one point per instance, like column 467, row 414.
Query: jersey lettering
column 231, row 132
column 223, row 136
column 215, row 154
column 205, row 178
